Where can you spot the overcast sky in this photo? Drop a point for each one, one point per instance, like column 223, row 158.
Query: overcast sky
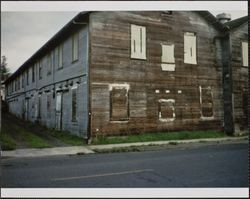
column 23, row 33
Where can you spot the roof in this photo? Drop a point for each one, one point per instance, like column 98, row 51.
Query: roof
column 52, row 43
column 236, row 22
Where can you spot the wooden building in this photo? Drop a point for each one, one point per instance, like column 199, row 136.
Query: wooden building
column 114, row 73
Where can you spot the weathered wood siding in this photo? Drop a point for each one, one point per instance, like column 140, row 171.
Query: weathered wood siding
column 240, row 78
column 110, row 63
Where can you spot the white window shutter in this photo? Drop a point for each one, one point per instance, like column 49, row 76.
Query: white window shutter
column 190, row 48
column 245, row 53
column 138, row 42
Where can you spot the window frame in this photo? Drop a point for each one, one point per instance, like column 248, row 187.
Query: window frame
column 119, row 87
column 160, row 101
column 201, row 103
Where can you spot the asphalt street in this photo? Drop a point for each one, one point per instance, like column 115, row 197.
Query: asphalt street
column 218, row 165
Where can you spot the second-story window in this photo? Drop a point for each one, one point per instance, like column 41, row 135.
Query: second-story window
column 33, row 73
column 23, row 80
column 138, row 42
column 27, row 77
column 75, row 47
column 190, row 48
column 60, row 56
column 49, row 63
column 244, row 47
column 19, row 79
column 40, row 69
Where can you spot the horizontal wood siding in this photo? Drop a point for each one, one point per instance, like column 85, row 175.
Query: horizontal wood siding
column 240, row 78
column 110, row 63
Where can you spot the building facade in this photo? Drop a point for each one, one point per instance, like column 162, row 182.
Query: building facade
column 114, row 73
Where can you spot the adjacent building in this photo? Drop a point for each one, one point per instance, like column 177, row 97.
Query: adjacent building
column 119, row 73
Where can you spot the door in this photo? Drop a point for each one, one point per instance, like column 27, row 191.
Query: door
column 59, row 111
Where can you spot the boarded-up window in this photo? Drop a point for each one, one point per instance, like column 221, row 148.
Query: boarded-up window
column 75, row 47
column 119, row 104
column 167, row 58
column 138, row 42
column 166, row 110
column 74, row 105
column 60, row 56
column 206, row 101
column 244, row 53
column 190, row 48
column 48, row 106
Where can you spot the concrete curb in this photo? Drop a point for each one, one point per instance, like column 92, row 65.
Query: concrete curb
column 111, row 146
column 90, row 148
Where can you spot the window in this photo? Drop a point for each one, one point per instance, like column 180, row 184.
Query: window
column 244, row 46
column 119, row 104
column 138, row 42
column 60, row 56
column 206, row 101
column 167, row 58
column 23, row 80
column 33, row 73
column 49, row 64
column 190, row 48
column 40, row 69
column 75, row 47
column 18, row 84
column 166, row 110
column 27, row 77
column 74, row 105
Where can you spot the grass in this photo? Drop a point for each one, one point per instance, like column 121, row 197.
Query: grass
column 147, row 137
column 67, row 138
column 7, row 143
column 34, row 141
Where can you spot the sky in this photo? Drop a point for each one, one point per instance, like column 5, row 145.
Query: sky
column 23, row 33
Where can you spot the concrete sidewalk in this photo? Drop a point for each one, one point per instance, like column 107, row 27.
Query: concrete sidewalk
column 88, row 149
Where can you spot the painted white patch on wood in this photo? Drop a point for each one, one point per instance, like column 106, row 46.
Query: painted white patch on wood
column 138, row 42
column 190, row 48
column 124, row 85
column 179, row 91
column 168, row 67
column 167, row 53
column 244, row 46
column 167, row 91
column 157, row 91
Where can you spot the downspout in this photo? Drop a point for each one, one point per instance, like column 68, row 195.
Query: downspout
column 227, row 82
